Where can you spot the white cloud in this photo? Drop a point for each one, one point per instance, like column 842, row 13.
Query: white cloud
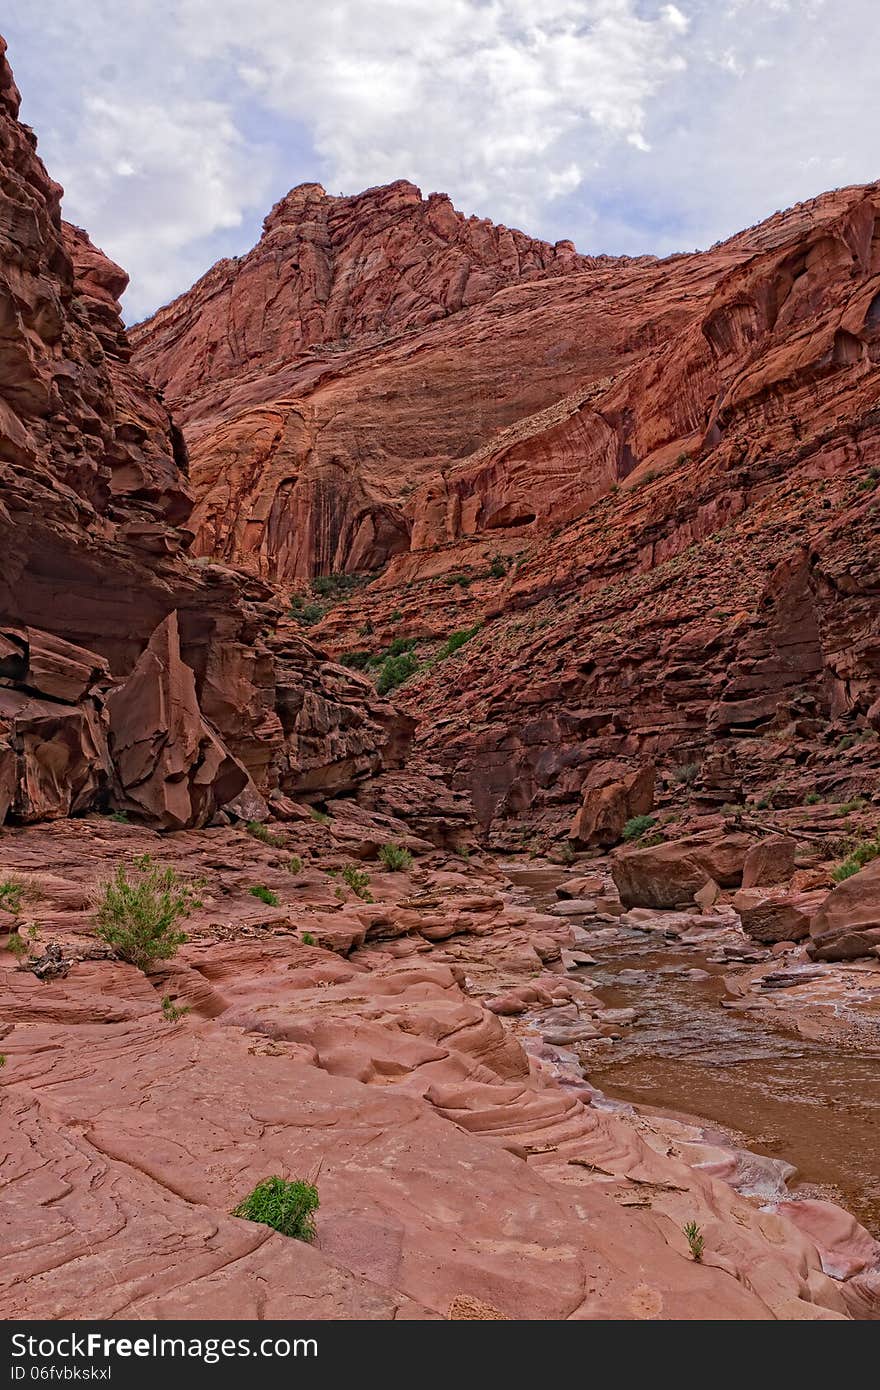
column 624, row 124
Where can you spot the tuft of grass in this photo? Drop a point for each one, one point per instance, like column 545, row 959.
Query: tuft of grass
column 170, row 1011
column 264, row 834
column 264, row 894
column 137, row 912
column 395, row 857
column 294, row 864
column 695, row 1240
column 843, row 743
column 358, row 881
column 320, row 816
column 11, row 894
column 567, row 854
column 120, row 816
column 686, row 773
column 812, row 799
column 456, row 640
column 857, row 858
column 288, row 1207
column 497, row 567
column 2, row 1059
column 395, row 671
column 637, row 826
column 855, row 805
column 308, row 939
column 17, row 945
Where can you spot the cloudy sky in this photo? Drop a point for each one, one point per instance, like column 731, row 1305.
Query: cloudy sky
column 626, row 125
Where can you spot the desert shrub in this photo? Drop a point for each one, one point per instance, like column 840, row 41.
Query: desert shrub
column 846, row 807
column 320, row 816
column 695, row 1240
column 637, row 826
column 137, row 912
column 812, row 799
column 121, row 817
column 308, row 938
column 845, row 742
column 294, row 864
column 686, row 773
column 264, row 834
column 567, row 854
column 11, row 894
column 860, row 855
column 264, row 894
column 399, row 645
column 357, row 660
column 497, row 567
column 287, row 1207
column 395, row 857
column 2, row 1059
column 456, row 640
column 170, row 1011
column 395, row 671
column 358, row 881
column 17, row 945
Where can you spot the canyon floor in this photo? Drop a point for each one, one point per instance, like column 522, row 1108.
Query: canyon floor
column 433, row 1058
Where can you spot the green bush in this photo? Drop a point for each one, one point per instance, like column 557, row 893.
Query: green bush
column 497, row 567
column 843, row 743
column 846, row 807
column 812, row 799
column 395, row 671
column 320, row 816
column 287, row 1207
column 308, row 939
column 11, row 894
column 264, row 894
column 264, row 834
column 294, row 864
column 857, row 858
column 170, row 1010
column 637, row 826
column 456, row 640
column 137, row 915
column 695, row 1240
column 357, row 660
column 395, row 857
column 358, row 881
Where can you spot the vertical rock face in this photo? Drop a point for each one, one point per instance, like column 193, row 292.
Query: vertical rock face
column 94, row 513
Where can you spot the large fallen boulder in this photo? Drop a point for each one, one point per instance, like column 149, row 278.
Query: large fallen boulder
column 609, row 801
column 769, row 862
column 669, row 875
column 847, row 924
column 772, row 914
column 170, row 766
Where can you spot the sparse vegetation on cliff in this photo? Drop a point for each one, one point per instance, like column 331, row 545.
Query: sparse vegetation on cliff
column 637, row 827
column 264, row 894
column 395, row 857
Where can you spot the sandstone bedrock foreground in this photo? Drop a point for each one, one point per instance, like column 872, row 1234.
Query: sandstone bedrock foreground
column 454, row 615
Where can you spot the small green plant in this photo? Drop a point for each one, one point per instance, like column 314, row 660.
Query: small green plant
column 637, row 826
column 695, row 1241
column 264, row 894
column 358, row 881
column 308, row 939
column 843, row 743
column 356, row 660
column 456, row 641
column 567, row 854
column 17, row 945
column 120, row 816
column 846, row 807
column 812, row 799
column 2, row 1059
column 463, row 851
column 395, row 858
column 686, row 773
column 170, row 1011
column 288, row 1207
column 497, row 567
column 137, row 912
column 857, row 858
column 395, row 671
column 11, row 894
column 264, row 834
column 870, row 480
column 294, row 864
column 320, row 816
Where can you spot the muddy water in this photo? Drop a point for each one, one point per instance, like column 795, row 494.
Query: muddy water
column 813, row 1104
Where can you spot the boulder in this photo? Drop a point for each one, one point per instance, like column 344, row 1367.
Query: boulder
column 170, row 766
column 769, row 861
column 54, row 761
column 847, row 924
column 609, row 801
column 771, row 914
column 659, row 876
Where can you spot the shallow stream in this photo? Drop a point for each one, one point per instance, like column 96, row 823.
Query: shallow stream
column 813, row 1104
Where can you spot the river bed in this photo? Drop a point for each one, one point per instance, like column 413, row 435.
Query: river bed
column 811, row 1103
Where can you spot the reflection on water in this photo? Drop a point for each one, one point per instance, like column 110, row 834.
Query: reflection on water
column 812, row 1103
